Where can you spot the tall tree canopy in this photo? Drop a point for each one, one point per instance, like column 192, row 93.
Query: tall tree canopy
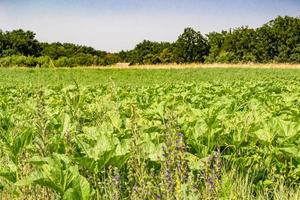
column 190, row 47
column 19, row 42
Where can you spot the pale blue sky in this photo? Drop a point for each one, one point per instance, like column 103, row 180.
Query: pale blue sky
column 113, row 25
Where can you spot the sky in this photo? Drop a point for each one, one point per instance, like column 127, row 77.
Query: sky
column 114, row 25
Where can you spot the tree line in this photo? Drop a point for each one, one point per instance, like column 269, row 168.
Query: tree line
column 20, row 48
column 277, row 41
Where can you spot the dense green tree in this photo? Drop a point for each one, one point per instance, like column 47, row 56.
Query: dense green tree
column 56, row 50
column 286, row 32
column 236, row 45
column 1, row 43
column 216, row 42
column 276, row 41
column 190, row 47
column 20, row 42
column 124, row 56
column 166, row 56
column 148, row 52
column 241, row 43
column 295, row 55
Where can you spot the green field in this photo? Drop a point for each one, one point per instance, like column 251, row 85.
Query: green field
column 150, row 134
column 138, row 77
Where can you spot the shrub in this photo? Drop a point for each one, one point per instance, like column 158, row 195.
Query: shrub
column 44, row 62
column 83, row 60
column 225, row 57
column 249, row 57
column 63, row 62
column 151, row 59
column 18, row 61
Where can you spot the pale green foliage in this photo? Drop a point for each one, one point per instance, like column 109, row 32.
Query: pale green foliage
column 238, row 140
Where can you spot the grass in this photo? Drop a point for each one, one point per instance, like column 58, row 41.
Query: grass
column 213, row 65
column 138, row 77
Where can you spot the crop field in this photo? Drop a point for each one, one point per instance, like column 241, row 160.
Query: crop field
column 150, row 134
